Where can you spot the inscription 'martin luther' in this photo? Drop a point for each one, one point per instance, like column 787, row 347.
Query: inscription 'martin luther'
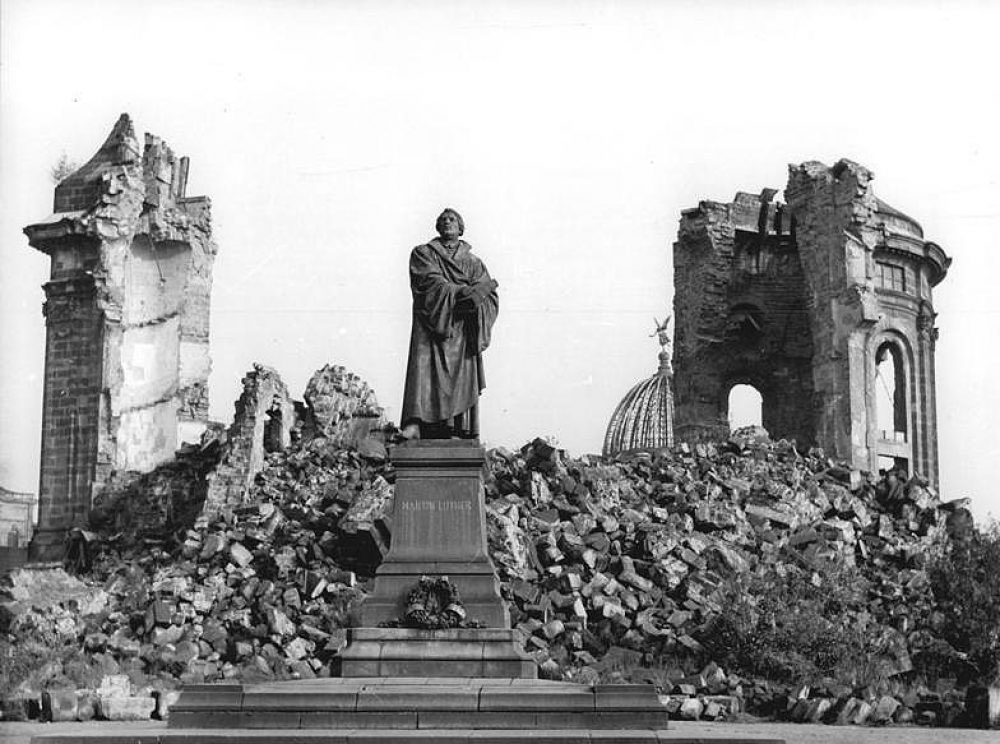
column 441, row 506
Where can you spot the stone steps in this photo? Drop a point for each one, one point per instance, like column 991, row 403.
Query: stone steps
column 418, row 703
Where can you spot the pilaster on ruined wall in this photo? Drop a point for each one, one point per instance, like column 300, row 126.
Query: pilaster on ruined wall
column 126, row 363
column 702, row 257
column 834, row 210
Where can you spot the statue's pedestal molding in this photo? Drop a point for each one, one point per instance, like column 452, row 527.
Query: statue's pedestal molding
column 438, row 529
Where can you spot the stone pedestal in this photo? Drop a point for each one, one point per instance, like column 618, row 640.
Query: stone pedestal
column 438, row 529
column 461, row 652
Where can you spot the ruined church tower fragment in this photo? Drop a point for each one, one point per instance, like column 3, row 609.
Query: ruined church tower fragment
column 823, row 304
column 127, row 321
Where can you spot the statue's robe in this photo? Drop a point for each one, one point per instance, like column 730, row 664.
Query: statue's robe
column 454, row 306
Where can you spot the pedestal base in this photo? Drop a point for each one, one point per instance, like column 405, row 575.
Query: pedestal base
column 404, row 652
column 438, row 529
column 477, row 584
column 423, row 703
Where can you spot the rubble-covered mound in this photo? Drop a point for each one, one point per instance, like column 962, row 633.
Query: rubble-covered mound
column 743, row 575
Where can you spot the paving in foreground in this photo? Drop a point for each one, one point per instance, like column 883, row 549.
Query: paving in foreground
column 149, row 732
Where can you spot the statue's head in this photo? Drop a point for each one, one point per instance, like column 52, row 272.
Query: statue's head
column 450, row 224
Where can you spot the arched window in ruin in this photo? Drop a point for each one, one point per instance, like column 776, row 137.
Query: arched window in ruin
column 890, row 392
column 745, row 406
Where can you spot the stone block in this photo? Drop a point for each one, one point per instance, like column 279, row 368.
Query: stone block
column 625, row 697
column 129, row 708
column 623, row 737
column 451, row 719
column 690, row 710
column 846, row 713
column 165, row 700
column 413, row 697
column 517, row 699
column 240, row 555
column 88, row 705
column 729, row 703
column 712, row 711
column 20, row 708
column 59, row 705
column 537, row 736
column 862, row 711
column 817, row 709
column 885, row 708
column 203, row 719
column 268, row 719
column 115, row 685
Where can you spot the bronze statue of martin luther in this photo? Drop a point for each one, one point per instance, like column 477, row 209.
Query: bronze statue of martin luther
column 454, row 307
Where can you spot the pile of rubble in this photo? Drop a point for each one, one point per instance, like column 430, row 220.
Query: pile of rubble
column 614, row 569
column 621, row 567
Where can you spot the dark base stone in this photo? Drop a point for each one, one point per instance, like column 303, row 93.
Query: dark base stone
column 403, row 652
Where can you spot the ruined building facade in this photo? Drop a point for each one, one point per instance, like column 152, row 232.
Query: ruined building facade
column 127, row 320
column 823, row 304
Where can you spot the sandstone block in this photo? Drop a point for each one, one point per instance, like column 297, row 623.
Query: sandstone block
column 59, row 705
column 127, row 708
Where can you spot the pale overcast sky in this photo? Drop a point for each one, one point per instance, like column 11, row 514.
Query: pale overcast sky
column 570, row 135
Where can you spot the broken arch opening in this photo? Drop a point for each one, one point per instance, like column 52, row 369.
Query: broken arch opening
column 890, row 393
column 745, row 406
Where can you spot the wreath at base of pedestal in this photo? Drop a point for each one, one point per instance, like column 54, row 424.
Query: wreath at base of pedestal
column 434, row 604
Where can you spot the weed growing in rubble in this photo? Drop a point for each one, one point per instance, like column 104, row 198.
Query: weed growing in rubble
column 44, row 662
column 965, row 580
column 792, row 625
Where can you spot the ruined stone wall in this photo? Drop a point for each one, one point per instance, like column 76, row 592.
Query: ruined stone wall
column 265, row 415
column 801, row 302
column 742, row 317
column 127, row 314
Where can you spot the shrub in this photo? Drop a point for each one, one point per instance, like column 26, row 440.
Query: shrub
column 965, row 581
column 797, row 626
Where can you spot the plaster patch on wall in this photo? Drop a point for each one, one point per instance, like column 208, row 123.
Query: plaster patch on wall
column 147, row 436
column 149, row 364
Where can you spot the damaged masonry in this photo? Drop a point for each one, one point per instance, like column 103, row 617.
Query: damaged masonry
column 242, row 555
column 824, row 306
column 127, row 320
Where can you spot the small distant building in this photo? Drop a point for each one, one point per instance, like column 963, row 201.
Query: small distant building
column 644, row 419
column 16, row 518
